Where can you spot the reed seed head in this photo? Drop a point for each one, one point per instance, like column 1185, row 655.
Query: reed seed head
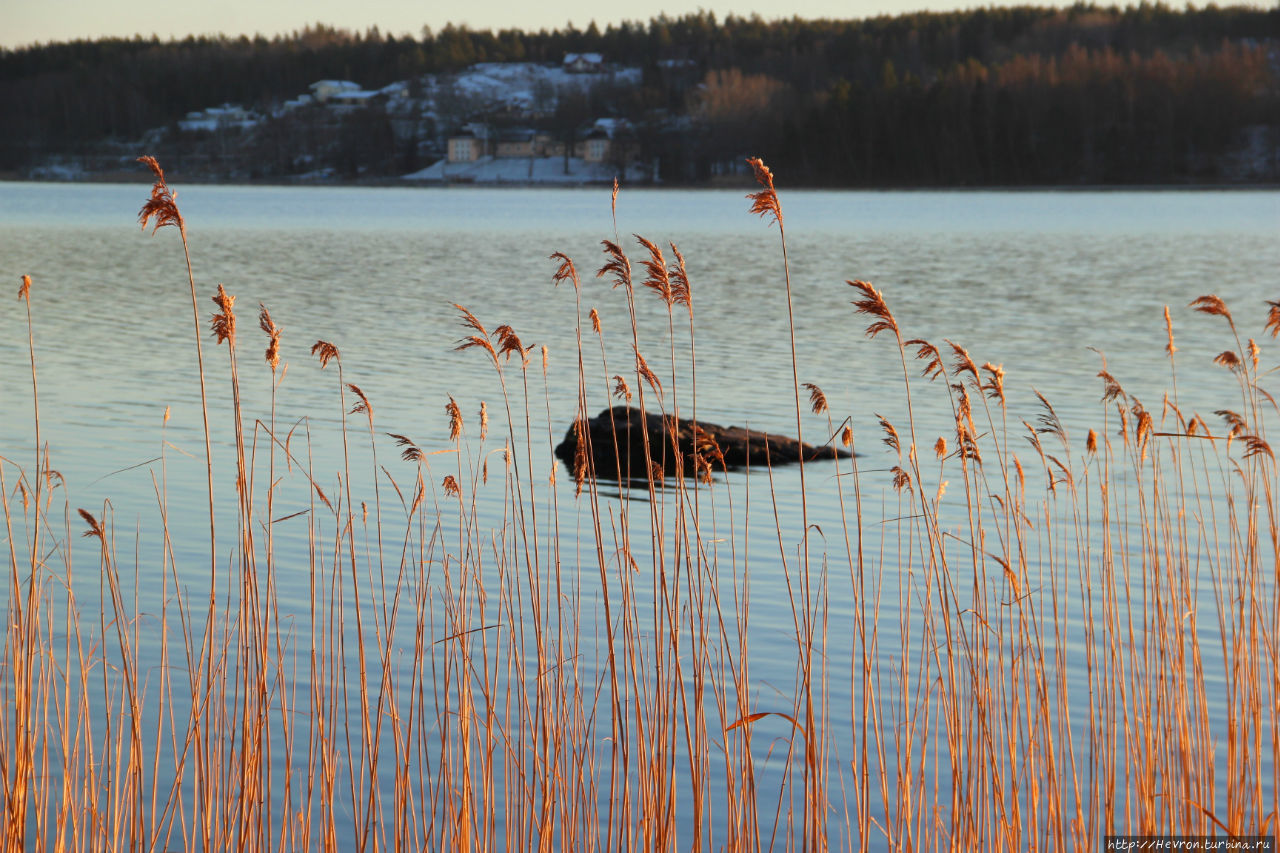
column 1168, row 328
column 362, row 406
column 1256, row 446
column 224, row 322
column 642, row 369
column 24, row 292
column 765, row 201
column 927, row 353
column 509, row 342
column 995, row 384
column 1273, row 318
column 455, row 419
column 480, row 339
column 1228, row 359
column 325, row 351
column 163, row 204
column 680, row 281
column 95, row 526
column 873, row 304
column 963, row 363
column 1236, row 424
column 1111, row 389
column 566, row 271
column 1050, row 423
column 817, row 400
column 411, row 452
column 273, row 332
column 657, row 278
column 966, row 432
column 1212, row 304
column 890, row 434
column 618, row 266
column 1143, row 426
column 595, row 321
column 581, row 459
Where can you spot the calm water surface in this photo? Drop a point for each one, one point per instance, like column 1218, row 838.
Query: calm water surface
column 1044, row 283
column 1035, row 281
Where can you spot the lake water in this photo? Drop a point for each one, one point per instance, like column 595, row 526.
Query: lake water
column 1043, row 283
column 1030, row 280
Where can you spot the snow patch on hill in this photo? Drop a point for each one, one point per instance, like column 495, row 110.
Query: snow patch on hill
column 529, row 85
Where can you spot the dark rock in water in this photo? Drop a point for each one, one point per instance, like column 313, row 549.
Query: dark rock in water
column 616, row 439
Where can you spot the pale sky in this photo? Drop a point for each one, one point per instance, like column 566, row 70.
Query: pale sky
column 24, row 22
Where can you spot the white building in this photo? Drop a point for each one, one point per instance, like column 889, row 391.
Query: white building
column 323, row 90
column 583, row 63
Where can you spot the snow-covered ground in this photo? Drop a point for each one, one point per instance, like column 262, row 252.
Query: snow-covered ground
column 522, row 170
column 58, row 169
column 528, row 85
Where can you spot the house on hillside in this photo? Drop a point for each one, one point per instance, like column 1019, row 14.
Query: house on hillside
column 323, row 90
column 214, row 118
column 583, row 63
column 339, row 94
column 602, row 142
column 470, row 143
column 353, row 98
column 605, row 141
column 516, row 142
column 397, row 91
column 293, row 104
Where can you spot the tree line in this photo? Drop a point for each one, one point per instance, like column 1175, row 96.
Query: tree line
column 994, row 95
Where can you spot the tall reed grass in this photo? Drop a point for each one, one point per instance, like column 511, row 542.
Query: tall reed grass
column 1052, row 637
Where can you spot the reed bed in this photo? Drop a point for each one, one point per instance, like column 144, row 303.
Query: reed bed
column 1017, row 638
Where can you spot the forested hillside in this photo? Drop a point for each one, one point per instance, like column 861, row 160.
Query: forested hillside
column 989, row 96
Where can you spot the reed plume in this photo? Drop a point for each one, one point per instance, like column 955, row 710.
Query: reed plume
column 657, row 277
column 326, row 352
column 362, row 405
column 274, row 333
column 455, row 419
column 1273, row 318
column 162, row 206
column 163, row 203
column 764, row 202
column 618, row 267
column 873, row 304
column 223, row 323
column 817, row 400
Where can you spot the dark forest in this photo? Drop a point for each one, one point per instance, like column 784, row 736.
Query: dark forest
column 995, row 96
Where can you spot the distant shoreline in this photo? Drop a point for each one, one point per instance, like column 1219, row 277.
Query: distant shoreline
column 142, row 177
